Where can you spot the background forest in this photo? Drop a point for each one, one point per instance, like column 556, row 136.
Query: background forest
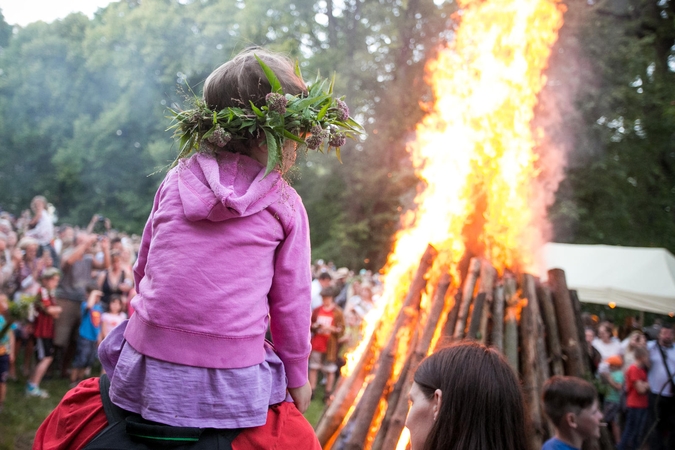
column 83, row 110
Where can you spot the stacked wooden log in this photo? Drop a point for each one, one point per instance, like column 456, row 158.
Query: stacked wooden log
column 537, row 326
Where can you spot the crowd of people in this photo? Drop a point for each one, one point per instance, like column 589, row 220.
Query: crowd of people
column 63, row 289
column 635, row 379
column 79, row 283
column 340, row 301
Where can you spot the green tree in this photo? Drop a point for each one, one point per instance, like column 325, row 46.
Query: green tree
column 620, row 188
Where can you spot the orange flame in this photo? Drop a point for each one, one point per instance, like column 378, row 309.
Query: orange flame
column 475, row 149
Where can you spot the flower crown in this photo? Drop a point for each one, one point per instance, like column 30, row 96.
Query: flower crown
column 316, row 121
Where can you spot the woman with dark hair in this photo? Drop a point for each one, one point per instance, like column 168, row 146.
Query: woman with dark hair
column 466, row 397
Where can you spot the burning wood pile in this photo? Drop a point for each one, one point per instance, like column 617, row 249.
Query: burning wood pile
column 537, row 326
column 488, row 172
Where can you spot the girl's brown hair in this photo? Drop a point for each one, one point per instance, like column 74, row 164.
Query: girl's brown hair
column 241, row 80
column 481, row 404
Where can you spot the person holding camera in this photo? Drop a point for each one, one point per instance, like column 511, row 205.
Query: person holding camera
column 77, row 263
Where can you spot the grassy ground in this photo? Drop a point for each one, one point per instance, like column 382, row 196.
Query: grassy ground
column 22, row 416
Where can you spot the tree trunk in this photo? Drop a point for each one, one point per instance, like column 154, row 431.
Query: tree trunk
column 551, row 330
column 476, row 315
column 374, row 391
column 498, row 319
column 567, row 324
column 397, row 422
column 511, row 338
column 400, row 391
column 488, row 275
column 451, row 320
column 576, row 305
column 530, row 361
column 345, row 395
column 467, row 294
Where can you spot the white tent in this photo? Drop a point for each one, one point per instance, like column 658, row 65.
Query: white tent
column 629, row 277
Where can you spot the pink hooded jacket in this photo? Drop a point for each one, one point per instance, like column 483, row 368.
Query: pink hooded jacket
column 223, row 248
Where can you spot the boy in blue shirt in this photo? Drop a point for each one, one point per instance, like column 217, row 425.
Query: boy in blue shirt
column 87, row 341
column 572, row 405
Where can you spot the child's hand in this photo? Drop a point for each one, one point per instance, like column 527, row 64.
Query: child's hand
column 301, row 396
column 94, row 296
column 54, row 311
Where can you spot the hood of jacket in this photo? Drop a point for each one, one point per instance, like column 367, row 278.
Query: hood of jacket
column 231, row 185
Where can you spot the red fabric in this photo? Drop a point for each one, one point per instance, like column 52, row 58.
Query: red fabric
column 286, row 428
column 44, row 323
column 321, row 317
column 75, row 421
column 79, row 417
column 633, row 399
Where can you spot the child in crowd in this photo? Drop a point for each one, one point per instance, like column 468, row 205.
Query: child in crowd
column 327, row 327
column 87, row 341
column 225, row 251
column 47, row 310
column 351, row 337
column 6, row 348
column 613, row 397
column 572, row 406
column 114, row 316
column 637, row 401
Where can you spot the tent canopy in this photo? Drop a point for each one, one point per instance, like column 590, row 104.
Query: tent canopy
column 630, row 277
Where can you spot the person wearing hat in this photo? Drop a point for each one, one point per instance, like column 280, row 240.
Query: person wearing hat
column 327, row 328
column 615, row 380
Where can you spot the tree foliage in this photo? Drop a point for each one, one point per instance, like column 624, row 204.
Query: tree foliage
column 83, row 111
column 620, row 187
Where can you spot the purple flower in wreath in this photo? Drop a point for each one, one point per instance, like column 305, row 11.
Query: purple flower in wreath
column 313, row 142
column 342, row 110
column 337, row 140
column 276, row 102
column 219, row 137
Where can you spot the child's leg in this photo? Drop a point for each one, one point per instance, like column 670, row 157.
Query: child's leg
column 329, row 371
column 28, row 355
column 616, row 431
column 80, row 361
column 44, row 353
column 40, row 371
column 4, row 375
column 314, row 367
column 18, row 340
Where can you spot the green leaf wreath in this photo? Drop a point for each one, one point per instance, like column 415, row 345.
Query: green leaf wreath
column 316, row 121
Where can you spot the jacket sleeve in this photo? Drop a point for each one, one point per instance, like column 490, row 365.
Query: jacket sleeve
column 142, row 259
column 290, row 298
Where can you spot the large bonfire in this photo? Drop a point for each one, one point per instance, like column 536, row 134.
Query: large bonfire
column 477, row 154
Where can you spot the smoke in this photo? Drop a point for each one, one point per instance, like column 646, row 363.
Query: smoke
column 557, row 125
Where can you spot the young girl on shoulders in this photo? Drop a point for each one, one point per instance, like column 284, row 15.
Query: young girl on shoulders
column 225, row 251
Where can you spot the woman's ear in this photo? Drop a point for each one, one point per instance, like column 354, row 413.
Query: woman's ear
column 438, row 396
